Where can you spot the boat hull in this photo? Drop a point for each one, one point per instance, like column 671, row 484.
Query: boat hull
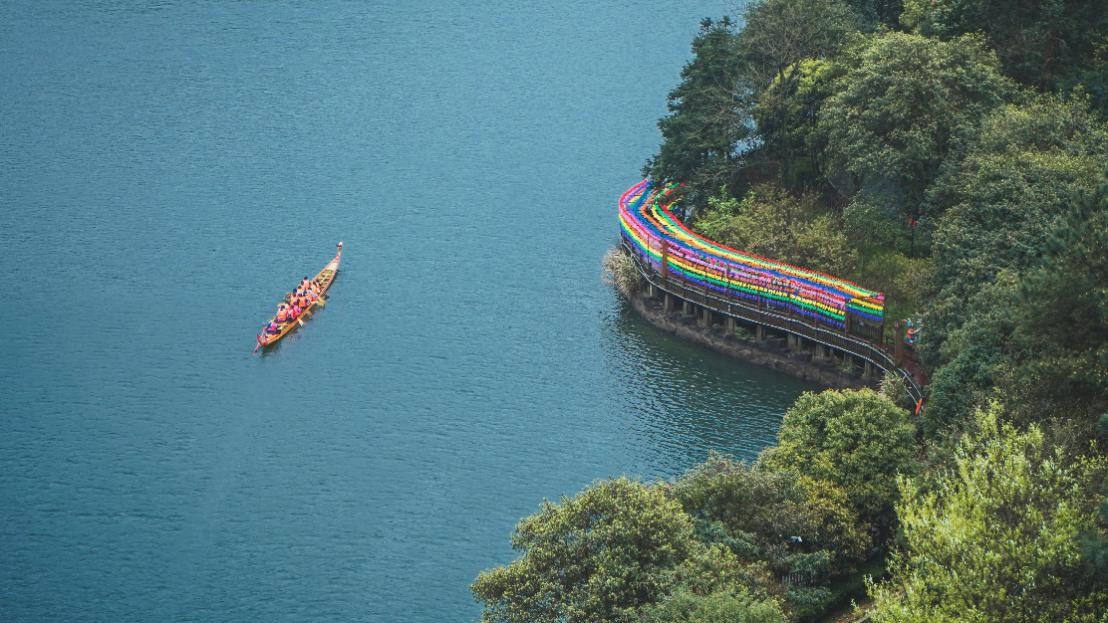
column 324, row 278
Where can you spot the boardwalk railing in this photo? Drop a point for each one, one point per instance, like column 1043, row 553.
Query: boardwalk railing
column 748, row 312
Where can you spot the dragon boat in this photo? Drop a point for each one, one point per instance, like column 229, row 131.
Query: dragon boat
column 324, row 278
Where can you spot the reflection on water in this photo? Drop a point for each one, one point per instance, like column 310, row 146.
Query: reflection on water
column 688, row 399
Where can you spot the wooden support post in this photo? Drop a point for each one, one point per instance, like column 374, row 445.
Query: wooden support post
column 730, row 325
column 867, row 371
column 760, row 332
column 667, row 302
column 686, row 308
column 705, row 317
column 821, row 351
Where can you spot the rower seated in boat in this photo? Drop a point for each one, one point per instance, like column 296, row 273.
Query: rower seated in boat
column 282, row 313
column 273, row 328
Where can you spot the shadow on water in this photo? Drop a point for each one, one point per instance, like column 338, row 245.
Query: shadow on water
column 691, row 399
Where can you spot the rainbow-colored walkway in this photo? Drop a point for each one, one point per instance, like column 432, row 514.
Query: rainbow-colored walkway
column 649, row 227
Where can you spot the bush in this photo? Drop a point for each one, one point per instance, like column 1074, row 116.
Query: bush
column 857, row 440
column 771, row 222
column 598, row 556
column 997, row 538
column 620, row 271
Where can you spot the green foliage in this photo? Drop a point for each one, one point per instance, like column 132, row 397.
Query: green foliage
column 757, row 511
column 1015, row 179
column 1040, row 43
column 708, row 113
column 906, row 281
column 743, row 334
column 873, row 224
column 1016, row 268
column 785, row 116
column 878, row 12
column 1056, row 358
column 620, row 271
column 720, row 607
column 780, row 33
column 716, row 568
column 857, row 440
column 900, row 108
column 595, row 557
column 808, row 603
column 771, row 222
column 895, row 388
column 778, row 525
column 997, row 538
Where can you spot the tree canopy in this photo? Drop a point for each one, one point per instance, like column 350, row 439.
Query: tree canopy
column 1042, row 44
column 859, row 440
column 997, row 537
column 598, row 556
column 902, row 103
column 780, row 33
column 1014, row 267
column 708, row 112
column 771, row 222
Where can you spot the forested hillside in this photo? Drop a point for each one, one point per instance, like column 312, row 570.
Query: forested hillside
column 954, row 155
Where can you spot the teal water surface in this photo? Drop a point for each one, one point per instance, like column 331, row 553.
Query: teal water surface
column 168, row 170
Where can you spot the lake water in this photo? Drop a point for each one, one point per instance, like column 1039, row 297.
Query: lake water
column 168, row 170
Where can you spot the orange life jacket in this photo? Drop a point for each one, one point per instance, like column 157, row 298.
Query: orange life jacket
column 283, row 315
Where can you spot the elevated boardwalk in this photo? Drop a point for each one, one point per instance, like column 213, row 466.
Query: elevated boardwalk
column 708, row 290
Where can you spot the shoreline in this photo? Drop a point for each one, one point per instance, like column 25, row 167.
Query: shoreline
column 772, row 353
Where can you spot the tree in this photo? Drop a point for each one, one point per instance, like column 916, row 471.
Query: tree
column 714, row 585
column 759, row 511
column 1015, row 178
column 1014, row 191
column 902, row 104
column 777, row 524
column 857, row 440
column 785, row 117
column 595, row 557
column 1055, row 358
column 708, row 113
column 780, row 33
column 720, row 607
column 1042, row 44
column 878, row 12
column 771, row 222
column 997, row 537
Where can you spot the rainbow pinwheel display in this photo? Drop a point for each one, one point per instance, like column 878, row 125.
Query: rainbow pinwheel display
column 654, row 234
